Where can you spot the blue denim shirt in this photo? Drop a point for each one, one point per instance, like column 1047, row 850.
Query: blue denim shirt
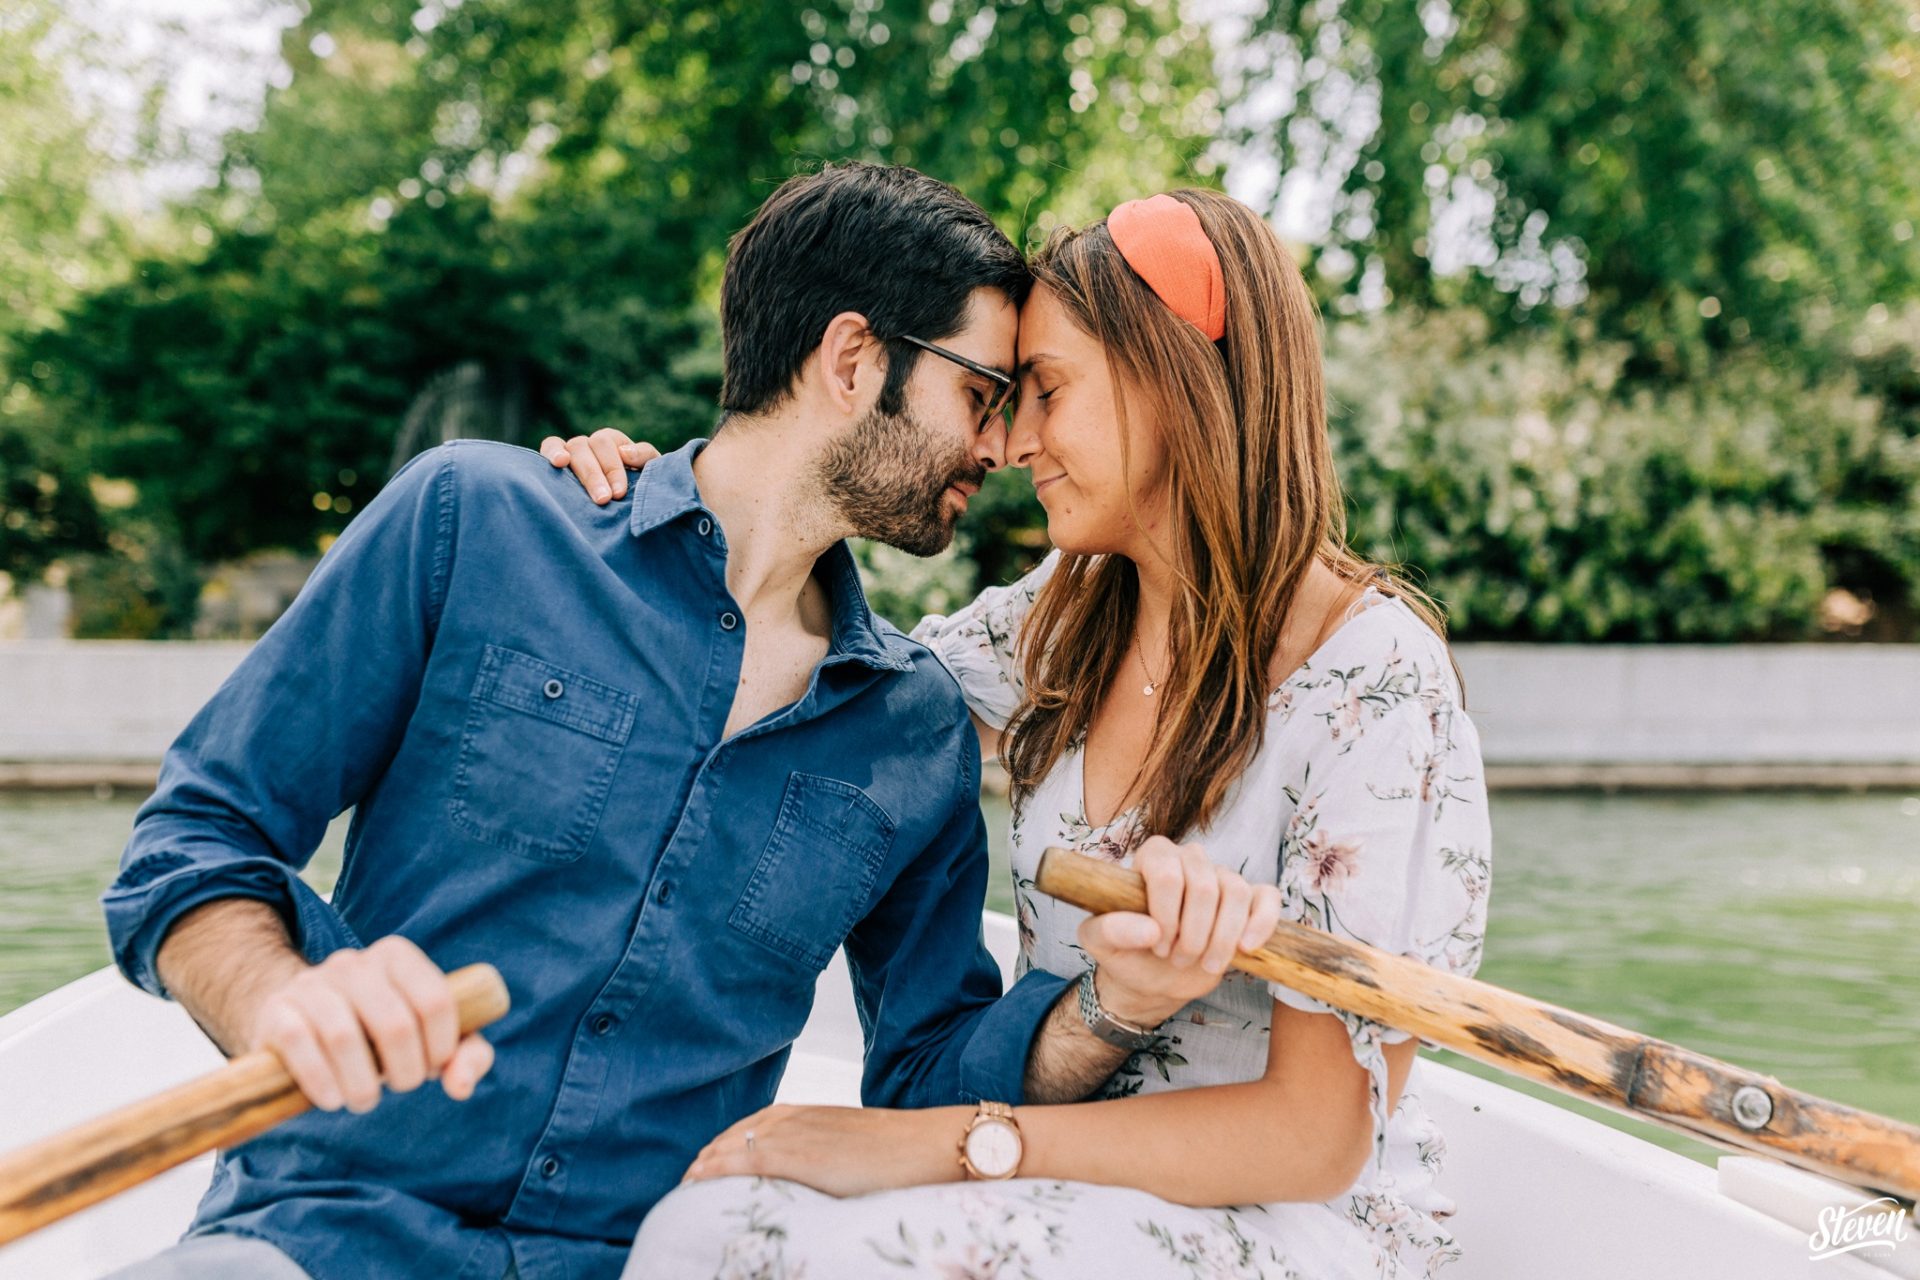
column 521, row 696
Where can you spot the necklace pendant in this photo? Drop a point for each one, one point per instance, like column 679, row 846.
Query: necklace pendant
column 1148, row 691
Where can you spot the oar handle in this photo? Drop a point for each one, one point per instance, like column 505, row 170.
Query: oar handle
column 65, row 1172
column 1641, row 1076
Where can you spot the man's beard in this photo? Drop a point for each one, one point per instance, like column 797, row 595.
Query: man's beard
column 882, row 479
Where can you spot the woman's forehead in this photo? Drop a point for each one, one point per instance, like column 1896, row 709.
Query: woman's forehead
column 1047, row 333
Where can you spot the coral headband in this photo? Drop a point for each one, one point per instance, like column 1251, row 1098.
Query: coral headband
column 1162, row 241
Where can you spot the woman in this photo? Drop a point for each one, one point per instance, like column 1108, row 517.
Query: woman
column 1201, row 657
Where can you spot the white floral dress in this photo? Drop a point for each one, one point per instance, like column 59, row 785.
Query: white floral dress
column 1366, row 805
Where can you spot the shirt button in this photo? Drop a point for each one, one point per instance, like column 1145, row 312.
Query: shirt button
column 602, row 1024
column 553, row 688
column 728, row 622
column 706, row 526
column 664, row 892
column 549, row 1167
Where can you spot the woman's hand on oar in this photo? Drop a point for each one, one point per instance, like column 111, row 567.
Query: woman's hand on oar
column 1656, row 1081
column 359, row 1019
column 1154, row 962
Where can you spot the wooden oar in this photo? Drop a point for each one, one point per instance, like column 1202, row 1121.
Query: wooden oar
column 1639, row 1075
column 65, row 1172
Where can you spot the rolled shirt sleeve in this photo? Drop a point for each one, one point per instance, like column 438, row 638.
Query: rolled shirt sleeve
column 301, row 730
column 938, row 1030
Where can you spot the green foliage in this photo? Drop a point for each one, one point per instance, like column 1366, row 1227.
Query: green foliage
column 1539, row 503
column 56, row 240
column 903, row 588
column 1712, row 173
column 416, row 200
column 146, row 588
column 1665, row 386
column 46, row 510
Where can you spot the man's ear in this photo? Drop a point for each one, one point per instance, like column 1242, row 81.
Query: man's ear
column 850, row 362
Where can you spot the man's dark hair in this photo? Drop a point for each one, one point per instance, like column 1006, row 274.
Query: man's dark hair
column 904, row 250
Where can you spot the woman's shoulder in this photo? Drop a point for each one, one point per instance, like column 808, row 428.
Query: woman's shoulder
column 979, row 644
column 1381, row 659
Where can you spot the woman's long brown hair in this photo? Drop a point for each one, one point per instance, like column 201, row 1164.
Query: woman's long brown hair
column 1253, row 501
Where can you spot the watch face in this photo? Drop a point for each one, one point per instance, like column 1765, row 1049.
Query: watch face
column 994, row 1149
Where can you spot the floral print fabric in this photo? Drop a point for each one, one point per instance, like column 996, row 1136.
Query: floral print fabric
column 1366, row 805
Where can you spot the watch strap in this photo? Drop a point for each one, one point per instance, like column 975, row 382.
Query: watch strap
column 1115, row 1031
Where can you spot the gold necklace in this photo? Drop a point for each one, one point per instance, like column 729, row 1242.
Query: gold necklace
column 1152, row 683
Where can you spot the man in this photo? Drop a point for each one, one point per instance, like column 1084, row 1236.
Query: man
column 656, row 761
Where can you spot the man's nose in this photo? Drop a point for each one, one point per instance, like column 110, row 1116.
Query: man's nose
column 990, row 445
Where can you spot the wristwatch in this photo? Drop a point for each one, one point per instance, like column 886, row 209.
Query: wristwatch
column 991, row 1147
column 1115, row 1031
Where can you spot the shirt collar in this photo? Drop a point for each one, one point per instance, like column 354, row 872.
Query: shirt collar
column 666, row 489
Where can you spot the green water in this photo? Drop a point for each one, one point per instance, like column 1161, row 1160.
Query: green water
column 1780, row 932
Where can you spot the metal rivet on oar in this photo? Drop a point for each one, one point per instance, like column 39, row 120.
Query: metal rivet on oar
column 1752, row 1107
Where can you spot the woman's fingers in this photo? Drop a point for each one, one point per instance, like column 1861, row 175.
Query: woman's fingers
column 1158, row 862
column 1262, row 918
column 600, row 462
column 587, row 469
column 1198, row 906
column 729, row 1154
column 1229, row 923
column 606, row 444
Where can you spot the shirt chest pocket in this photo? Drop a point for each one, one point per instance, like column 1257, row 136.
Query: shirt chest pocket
column 538, row 755
column 813, row 879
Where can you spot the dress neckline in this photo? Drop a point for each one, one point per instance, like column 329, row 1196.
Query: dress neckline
column 1358, row 609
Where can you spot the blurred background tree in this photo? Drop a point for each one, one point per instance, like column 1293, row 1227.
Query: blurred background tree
column 54, row 243
column 1684, row 236
column 1621, row 305
column 1694, row 176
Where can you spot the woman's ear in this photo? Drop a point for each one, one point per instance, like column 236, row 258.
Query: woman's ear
column 850, row 363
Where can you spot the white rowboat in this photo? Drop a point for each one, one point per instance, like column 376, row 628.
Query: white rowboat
column 1543, row 1193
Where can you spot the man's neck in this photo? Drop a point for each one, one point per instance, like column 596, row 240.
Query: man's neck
column 758, row 479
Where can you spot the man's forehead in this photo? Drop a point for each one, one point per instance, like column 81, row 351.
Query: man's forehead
column 990, row 330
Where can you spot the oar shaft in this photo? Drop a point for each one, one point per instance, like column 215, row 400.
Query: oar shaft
column 65, row 1172
column 1567, row 1051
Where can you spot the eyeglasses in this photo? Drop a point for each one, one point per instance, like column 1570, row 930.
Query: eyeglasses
column 1004, row 384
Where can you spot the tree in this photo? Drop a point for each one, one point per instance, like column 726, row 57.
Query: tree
column 1696, row 175
column 551, row 187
